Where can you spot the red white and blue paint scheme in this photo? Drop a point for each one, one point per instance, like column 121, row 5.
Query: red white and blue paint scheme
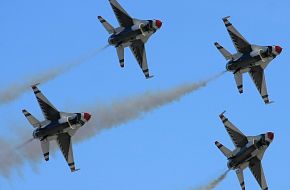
column 59, row 126
column 249, row 152
column 133, row 33
column 249, row 58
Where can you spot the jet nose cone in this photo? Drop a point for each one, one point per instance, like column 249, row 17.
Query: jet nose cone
column 270, row 135
column 278, row 49
column 87, row 116
column 158, row 23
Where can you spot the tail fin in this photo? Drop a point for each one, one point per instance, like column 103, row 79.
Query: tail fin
column 223, row 51
column 32, row 120
column 224, row 150
column 106, row 25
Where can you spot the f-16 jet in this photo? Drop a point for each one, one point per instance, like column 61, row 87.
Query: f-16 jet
column 59, row 126
column 249, row 152
column 132, row 33
column 249, row 58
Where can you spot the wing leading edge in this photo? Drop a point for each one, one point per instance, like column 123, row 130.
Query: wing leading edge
column 241, row 44
column 258, row 77
column 238, row 138
column 258, row 172
column 124, row 19
column 65, row 145
column 48, row 110
column 138, row 49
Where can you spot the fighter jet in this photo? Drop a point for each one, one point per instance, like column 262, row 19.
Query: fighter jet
column 248, row 153
column 132, row 33
column 59, row 126
column 249, row 58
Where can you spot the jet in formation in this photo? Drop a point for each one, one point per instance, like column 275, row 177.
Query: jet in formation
column 59, row 126
column 132, row 33
column 249, row 58
column 249, row 152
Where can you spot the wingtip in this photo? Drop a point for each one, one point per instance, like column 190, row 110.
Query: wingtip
column 74, row 170
column 149, row 77
column 223, row 113
column 269, row 102
column 227, row 17
column 36, row 84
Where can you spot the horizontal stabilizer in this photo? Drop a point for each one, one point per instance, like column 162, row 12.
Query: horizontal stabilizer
column 45, row 149
column 106, row 25
column 240, row 175
column 223, row 51
column 120, row 52
column 239, row 81
column 224, row 149
column 32, row 120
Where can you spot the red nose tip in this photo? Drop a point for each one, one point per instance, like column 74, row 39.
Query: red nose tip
column 270, row 135
column 87, row 116
column 158, row 23
column 278, row 49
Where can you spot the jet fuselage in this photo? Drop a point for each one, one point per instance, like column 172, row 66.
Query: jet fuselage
column 64, row 124
column 256, row 147
column 125, row 36
column 259, row 56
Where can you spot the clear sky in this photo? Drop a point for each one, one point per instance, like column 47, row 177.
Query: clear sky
column 171, row 148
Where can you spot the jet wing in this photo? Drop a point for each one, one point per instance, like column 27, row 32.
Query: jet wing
column 241, row 44
column 65, row 145
column 258, row 77
column 138, row 49
column 48, row 110
column 238, row 138
column 123, row 17
column 257, row 170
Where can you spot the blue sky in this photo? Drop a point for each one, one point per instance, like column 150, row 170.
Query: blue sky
column 171, row 148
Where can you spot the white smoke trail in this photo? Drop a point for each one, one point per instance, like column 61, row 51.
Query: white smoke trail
column 125, row 110
column 104, row 116
column 15, row 90
column 214, row 183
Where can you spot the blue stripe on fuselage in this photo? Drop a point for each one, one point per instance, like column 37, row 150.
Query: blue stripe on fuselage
column 125, row 36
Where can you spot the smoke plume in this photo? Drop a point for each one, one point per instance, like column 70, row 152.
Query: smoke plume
column 214, row 183
column 104, row 116
column 15, row 90
column 107, row 116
